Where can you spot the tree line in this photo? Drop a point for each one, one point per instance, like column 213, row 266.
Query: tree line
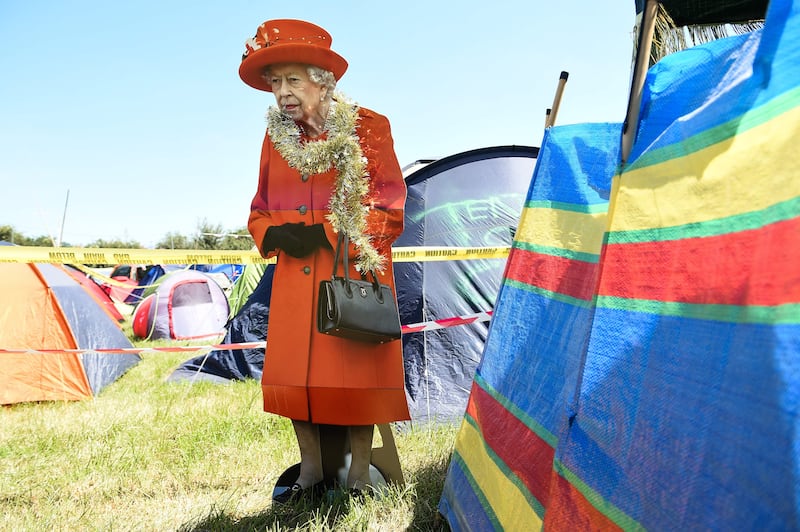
column 207, row 236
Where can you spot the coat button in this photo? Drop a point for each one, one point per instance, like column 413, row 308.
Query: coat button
column 302, row 209
column 304, row 178
column 307, row 270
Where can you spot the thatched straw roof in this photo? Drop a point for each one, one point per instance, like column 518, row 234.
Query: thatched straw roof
column 681, row 24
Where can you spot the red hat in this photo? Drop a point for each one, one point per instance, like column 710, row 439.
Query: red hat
column 288, row 41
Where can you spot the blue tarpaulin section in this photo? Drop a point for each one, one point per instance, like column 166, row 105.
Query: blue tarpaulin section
column 642, row 370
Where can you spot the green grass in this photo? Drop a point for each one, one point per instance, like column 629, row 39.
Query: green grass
column 150, row 455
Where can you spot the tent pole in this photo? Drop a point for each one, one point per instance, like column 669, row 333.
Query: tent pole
column 63, row 220
column 562, row 80
column 642, row 63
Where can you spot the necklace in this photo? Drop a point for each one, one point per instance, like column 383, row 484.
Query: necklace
column 341, row 150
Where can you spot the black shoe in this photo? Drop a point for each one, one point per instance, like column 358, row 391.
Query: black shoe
column 359, row 494
column 296, row 492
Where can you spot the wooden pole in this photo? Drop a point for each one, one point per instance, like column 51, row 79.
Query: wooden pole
column 642, row 63
column 63, row 220
column 562, row 80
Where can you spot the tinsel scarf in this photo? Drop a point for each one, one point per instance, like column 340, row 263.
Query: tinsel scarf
column 341, row 150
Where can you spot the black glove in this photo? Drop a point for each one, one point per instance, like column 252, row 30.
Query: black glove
column 297, row 240
column 314, row 233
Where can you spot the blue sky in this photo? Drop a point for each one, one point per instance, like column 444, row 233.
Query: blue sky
column 136, row 109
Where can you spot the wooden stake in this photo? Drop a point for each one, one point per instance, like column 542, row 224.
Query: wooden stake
column 562, row 80
column 642, row 63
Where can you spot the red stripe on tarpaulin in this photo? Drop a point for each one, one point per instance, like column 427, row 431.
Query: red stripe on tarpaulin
column 570, row 510
column 753, row 267
column 574, row 278
column 526, row 454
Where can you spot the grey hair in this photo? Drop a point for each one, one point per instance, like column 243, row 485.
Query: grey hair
column 320, row 76
column 323, row 78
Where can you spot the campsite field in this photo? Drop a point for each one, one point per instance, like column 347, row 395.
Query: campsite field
column 151, row 455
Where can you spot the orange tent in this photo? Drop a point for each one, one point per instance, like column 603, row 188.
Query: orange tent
column 42, row 307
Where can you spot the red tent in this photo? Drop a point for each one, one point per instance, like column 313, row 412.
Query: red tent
column 97, row 292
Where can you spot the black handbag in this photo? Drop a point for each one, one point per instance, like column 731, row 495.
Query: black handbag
column 358, row 309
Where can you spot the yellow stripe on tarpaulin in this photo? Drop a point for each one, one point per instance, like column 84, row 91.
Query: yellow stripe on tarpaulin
column 748, row 172
column 569, row 230
column 32, row 254
column 508, row 503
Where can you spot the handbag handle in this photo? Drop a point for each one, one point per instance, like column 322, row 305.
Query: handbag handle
column 341, row 241
column 342, row 245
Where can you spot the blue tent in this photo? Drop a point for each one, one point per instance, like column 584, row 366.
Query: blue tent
column 470, row 199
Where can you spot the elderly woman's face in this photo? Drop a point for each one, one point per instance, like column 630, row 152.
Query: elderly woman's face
column 295, row 93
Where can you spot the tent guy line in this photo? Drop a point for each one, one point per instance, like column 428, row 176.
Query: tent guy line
column 406, row 329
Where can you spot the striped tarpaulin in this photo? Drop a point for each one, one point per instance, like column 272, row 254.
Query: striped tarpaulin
column 642, row 369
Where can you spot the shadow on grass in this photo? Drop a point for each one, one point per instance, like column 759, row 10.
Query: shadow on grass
column 429, row 484
column 335, row 512
column 326, row 514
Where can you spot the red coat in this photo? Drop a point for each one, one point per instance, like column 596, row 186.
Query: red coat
column 307, row 375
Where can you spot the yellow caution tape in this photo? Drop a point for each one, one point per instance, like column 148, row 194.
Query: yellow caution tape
column 69, row 255
column 429, row 254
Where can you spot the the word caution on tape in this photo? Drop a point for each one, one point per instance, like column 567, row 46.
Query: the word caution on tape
column 112, row 256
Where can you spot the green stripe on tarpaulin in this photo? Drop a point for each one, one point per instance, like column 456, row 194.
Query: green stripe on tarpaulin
column 591, row 258
column 510, row 475
column 788, row 314
column 555, row 296
column 518, row 413
column 597, row 208
column 491, row 516
column 753, row 118
column 785, row 210
column 613, row 513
